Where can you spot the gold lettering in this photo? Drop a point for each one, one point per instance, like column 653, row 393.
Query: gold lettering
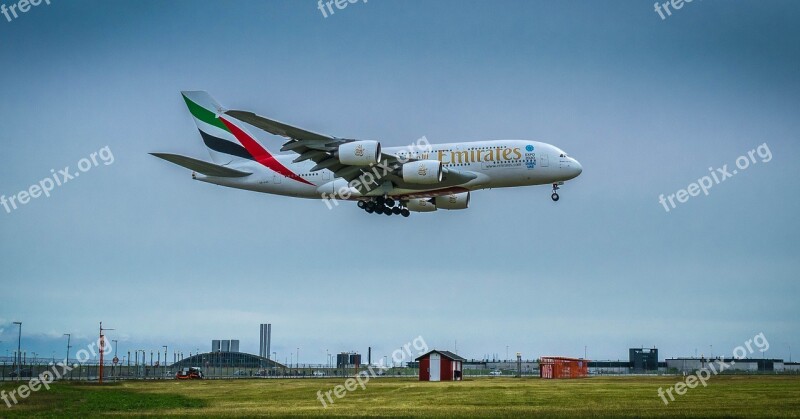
column 517, row 153
column 490, row 157
column 461, row 156
column 441, row 156
column 507, row 154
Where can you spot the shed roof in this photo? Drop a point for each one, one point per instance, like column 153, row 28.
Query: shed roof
column 446, row 354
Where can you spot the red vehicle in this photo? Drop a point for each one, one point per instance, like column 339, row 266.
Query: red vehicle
column 192, row 373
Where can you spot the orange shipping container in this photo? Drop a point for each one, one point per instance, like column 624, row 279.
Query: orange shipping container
column 562, row 367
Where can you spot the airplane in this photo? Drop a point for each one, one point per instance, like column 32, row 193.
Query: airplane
column 421, row 177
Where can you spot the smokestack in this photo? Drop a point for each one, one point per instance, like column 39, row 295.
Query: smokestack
column 265, row 336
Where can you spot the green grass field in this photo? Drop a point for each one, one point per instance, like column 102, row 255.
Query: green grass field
column 725, row 396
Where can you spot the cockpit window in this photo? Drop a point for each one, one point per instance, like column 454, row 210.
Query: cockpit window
column 562, row 155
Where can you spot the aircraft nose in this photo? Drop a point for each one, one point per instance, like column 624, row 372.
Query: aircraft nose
column 578, row 168
column 572, row 169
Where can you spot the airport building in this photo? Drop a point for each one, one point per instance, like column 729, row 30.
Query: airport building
column 348, row 360
column 228, row 360
column 690, row 365
column 225, row 345
column 643, row 360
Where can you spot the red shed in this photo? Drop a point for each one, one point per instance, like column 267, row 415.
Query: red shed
column 562, row 367
column 440, row 366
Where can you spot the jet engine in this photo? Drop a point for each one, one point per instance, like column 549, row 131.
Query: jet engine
column 421, row 205
column 423, row 172
column 360, row 153
column 453, row 201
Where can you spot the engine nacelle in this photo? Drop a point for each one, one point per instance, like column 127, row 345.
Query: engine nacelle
column 420, row 205
column 360, row 153
column 423, row 172
column 453, row 201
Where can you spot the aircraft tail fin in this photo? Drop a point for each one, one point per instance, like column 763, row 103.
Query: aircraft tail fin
column 216, row 129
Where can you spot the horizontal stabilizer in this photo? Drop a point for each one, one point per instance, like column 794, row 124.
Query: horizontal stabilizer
column 199, row 166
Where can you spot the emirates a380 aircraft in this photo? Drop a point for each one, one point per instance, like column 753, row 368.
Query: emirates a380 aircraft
column 422, row 177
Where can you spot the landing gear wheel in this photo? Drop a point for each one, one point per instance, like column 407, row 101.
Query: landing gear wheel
column 396, row 210
column 362, row 204
column 380, row 200
column 369, row 210
column 389, row 202
column 379, row 210
column 387, row 211
column 405, row 212
column 554, row 197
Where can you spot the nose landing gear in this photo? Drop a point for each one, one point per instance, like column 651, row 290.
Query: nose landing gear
column 554, row 196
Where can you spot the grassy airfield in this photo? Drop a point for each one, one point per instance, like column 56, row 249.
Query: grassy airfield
column 725, row 396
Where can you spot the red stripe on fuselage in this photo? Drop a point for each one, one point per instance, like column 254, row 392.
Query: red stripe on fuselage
column 260, row 154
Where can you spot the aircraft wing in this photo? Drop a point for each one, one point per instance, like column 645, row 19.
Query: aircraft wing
column 320, row 149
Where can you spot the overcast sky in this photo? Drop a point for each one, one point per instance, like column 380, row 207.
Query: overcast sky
column 646, row 105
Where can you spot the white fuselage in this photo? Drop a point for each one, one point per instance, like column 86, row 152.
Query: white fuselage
column 498, row 164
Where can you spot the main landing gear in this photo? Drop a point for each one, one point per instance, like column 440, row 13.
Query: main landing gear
column 554, row 196
column 384, row 205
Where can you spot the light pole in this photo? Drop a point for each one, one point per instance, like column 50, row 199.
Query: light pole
column 114, row 364
column 19, row 349
column 165, row 360
column 506, row 352
column 298, row 358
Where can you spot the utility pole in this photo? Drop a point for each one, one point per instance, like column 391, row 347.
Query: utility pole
column 69, row 336
column 165, row 360
column 102, row 350
column 116, row 360
column 19, row 350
